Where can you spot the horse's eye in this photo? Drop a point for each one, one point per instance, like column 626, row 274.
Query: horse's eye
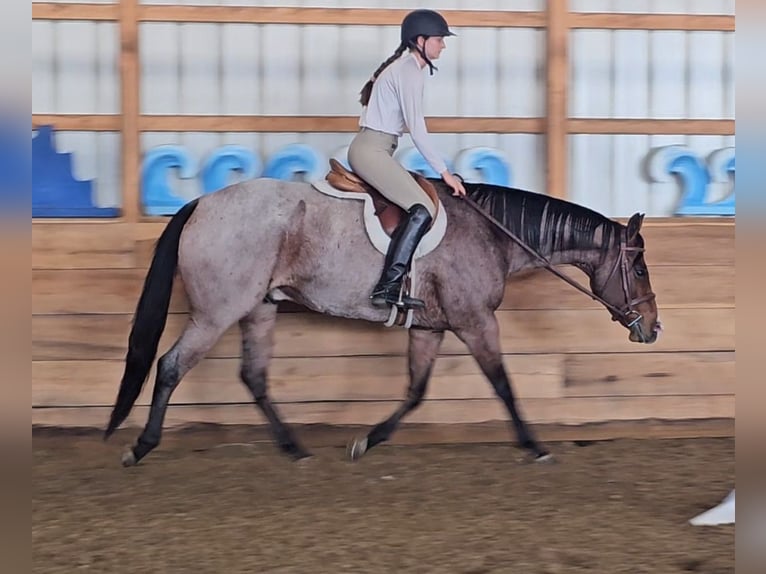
column 639, row 271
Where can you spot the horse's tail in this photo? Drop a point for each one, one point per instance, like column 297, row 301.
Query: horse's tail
column 150, row 317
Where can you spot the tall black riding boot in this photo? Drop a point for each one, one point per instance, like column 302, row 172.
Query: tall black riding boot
column 404, row 241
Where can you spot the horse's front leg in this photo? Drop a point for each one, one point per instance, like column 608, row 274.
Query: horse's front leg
column 423, row 348
column 483, row 341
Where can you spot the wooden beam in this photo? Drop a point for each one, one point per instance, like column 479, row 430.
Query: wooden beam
column 130, row 76
column 626, row 21
column 79, row 122
column 278, row 124
column 58, row 11
column 377, row 17
column 556, row 105
column 322, row 435
column 349, row 124
column 330, row 124
column 333, row 16
column 651, row 127
column 569, row 411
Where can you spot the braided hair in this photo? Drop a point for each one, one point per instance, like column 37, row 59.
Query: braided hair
column 367, row 89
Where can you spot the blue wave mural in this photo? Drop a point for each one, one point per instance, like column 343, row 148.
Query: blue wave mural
column 695, row 176
column 294, row 162
column 55, row 191
column 157, row 195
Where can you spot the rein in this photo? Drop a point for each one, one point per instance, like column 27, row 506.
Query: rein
column 622, row 263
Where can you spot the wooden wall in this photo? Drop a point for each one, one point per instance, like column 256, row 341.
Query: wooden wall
column 571, row 365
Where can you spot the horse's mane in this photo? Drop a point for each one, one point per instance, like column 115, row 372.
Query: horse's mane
column 545, row 223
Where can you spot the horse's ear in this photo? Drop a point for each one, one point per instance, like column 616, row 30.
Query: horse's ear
column 634, row 226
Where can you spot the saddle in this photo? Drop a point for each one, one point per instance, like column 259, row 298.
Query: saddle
column 388, row 213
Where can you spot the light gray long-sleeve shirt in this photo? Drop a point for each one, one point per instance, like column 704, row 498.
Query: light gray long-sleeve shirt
column 396, row 104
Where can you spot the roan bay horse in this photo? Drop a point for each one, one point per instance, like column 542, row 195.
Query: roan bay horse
column 243, row 248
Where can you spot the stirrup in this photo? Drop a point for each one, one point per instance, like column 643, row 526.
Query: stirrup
column 401, row 307
column 393, row 315
column 402, row 301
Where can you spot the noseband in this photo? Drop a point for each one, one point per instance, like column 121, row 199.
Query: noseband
column 628, row 315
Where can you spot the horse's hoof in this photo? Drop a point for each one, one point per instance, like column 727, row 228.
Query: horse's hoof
column 356, row 448
column 301, row 456
column 295, row 452
column 129, row 458
column 304, row 460
column 545, row 458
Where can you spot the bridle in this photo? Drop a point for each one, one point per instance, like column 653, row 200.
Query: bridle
column 628, row 315
column 622, row 262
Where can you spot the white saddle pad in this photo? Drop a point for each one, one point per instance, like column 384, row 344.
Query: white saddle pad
column 374, row 228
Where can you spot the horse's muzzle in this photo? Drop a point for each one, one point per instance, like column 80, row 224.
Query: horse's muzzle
column 639, row 335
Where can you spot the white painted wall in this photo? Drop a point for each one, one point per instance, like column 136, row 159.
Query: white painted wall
column 74, row 70
column 644, row 74
column 280, row 69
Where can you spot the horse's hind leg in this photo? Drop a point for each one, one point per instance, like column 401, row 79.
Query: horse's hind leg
column 196, row 340
column 483, row 341
column 257, row 344
column 423, row 348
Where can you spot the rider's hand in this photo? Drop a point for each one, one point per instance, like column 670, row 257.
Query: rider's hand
column 454, row 183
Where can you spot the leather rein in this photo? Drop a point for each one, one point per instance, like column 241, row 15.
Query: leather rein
column 629, row 314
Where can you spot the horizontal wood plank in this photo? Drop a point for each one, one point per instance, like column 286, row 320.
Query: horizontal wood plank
column 350, row 124
column 634, row 21
column 209, row 435
column 79, row 122
column 689, row 244
column 75, row 11
column 639, row 374
column 278, row 124
column 95, row 383
column 95, row 337
column 334, row 16
column 364, row 378
column 329, row 124
column 645, row 126
column 71, row 291
column 379, row 17
column 667, row 243
column 83, row 246
column 66, row 291
column 66, row 244
column 676, row 287
column 569, row 411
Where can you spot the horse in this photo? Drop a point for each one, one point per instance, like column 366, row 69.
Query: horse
column 244, row 248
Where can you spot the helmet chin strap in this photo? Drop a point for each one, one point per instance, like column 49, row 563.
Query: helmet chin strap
column 422, row 53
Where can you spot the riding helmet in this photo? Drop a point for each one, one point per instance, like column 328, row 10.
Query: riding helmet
column 423, row 23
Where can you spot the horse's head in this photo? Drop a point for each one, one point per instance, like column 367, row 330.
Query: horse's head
column 623, row 282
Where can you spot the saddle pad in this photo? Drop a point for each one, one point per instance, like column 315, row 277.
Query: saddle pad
column 372, row 225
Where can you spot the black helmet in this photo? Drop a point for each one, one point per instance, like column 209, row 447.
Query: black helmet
column 423, row 23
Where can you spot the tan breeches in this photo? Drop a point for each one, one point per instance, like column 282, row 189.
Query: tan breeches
column 371, row 156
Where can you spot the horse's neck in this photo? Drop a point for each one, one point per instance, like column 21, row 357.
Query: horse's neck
column 583, row 259
column 586, row 257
